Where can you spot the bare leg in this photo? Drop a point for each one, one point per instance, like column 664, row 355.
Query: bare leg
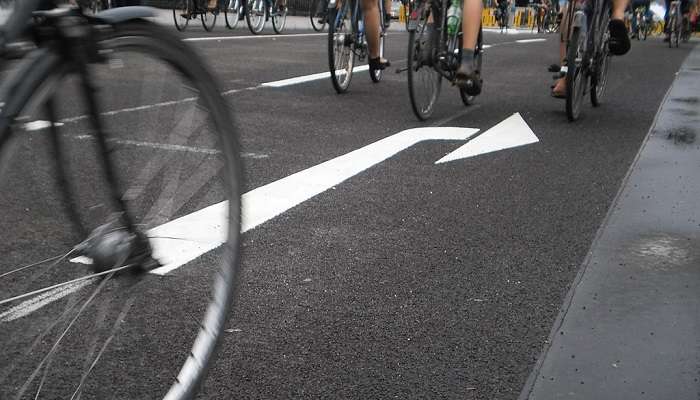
column 559, row 88
column 370, row 9
column 618, row 9
column 471, row 22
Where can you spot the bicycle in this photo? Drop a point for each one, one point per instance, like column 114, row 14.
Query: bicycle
column 260, row 11
column 587, row 55
column 427, row 68
column 319, row 14
column 99, row 207
column 540, row 21
column 185, row 10
column 346, row 41
column 678, row 25
column 233, row 12
column 643, row 23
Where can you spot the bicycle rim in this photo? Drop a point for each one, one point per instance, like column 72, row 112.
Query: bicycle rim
column 341, row 48
column 316, row 23
column 575, row 76
column 279, row 21
column 181, row 14
column 423, row 81
column 208, row 20
column 255, row 15
column 232, row 13
column 600, row 74
column 132, row 334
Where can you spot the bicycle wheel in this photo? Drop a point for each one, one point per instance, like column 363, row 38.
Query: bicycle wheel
column 467, row 99
column 673, row 24
column 423, row 80
column 318, row 20
column 279, row 19
column 601, row 65
column 182, row 13
column 255, row 14
column 233, row 12
column 139, row 184
column 341, row 47
column 208, row 18
column 576, row 79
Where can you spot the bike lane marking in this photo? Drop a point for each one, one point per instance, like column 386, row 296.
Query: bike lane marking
column 184, row 239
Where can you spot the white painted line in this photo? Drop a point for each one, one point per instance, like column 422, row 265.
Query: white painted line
column 309, row 78
column 219, row 38
column 512, row 132
column 202, row 231
column 530, row 40
column 39, row 125
column 33, row 304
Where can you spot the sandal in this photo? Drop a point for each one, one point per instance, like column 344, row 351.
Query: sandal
column 378, row 63
column 561, row 92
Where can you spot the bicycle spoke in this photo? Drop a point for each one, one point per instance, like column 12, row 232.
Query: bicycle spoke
column 52, row 351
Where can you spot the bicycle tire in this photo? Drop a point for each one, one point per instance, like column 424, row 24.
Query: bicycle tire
column 318, row 22
column 422, row 71
column 256, row 15
column 181, row 14
column 341, row 48
column 575, row 75
column 232, row 13
column 673, row 39
column 125, row 345
column 208, row 18
column 279, row 21
column 599, row 74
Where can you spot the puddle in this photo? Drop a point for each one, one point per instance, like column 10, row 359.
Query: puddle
column 661, row 252
column 682, row 135
column 688, row 100
column 687, row 113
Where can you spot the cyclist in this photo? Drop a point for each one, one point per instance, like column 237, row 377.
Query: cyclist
column 541, row 8
column 646, row 5
column 502, row 11
column 685, row 10
column 619, row 43
column 370, row 9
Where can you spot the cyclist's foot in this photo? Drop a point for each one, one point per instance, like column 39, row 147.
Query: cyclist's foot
column 468, row 77
column 619, row 38
column 378, row 63
column 559, row 88
column 387, row 20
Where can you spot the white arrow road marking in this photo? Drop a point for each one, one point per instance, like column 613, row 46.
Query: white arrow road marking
column 201, row 231
column 181, row 240
column 512, row 132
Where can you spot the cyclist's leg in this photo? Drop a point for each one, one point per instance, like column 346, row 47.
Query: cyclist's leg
column 619, row 43
column 370, row 10
column 559, row 88
column 387, row 12
column 467, row 76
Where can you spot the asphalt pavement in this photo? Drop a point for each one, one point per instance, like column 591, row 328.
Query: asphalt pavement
column 411, row 278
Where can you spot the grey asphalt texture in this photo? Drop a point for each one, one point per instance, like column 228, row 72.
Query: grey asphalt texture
column 416, row 280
